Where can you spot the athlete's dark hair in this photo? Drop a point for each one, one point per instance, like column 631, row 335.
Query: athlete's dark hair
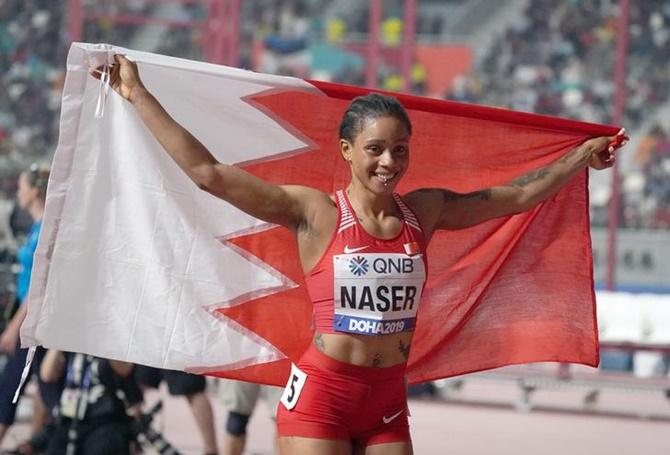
column 371, row 106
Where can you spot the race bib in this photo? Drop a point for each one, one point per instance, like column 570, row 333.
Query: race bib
column 296, row 382
column 376, row 293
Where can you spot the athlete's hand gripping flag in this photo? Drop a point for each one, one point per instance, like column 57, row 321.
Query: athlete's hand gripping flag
column 136, row 263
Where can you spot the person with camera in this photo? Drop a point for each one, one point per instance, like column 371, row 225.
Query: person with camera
column 92, row 413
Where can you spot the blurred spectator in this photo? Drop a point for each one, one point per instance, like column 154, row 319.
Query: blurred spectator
column 31, row 193
column 335, row 29
column 190, row 386
column 91, row 416
column 647, row 147
column 391, row 31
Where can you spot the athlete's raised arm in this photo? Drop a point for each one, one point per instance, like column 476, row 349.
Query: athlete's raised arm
column 284, row 205
column 445, row 209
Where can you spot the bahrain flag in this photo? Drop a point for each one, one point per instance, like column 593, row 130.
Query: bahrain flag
column 136, row 263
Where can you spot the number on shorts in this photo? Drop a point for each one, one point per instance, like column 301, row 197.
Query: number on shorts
column 293, row 388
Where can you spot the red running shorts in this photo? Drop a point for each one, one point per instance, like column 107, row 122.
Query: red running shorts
column 329, row 399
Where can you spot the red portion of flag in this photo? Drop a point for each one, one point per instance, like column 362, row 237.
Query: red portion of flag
column 282, row 318
column 512, row 290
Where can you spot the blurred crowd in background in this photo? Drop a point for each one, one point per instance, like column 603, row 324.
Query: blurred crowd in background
column 557, row 59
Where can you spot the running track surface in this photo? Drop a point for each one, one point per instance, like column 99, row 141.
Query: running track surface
column 481, row 421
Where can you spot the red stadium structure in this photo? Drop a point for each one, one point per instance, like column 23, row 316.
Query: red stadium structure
column 222, row 25
column 220, row 29
column 619, row 104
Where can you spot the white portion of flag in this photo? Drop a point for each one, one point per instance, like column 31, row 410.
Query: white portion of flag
column 128, row 260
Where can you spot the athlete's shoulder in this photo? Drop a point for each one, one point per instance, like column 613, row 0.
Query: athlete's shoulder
column 420, row 197
column 425, row 204
column 319, row 209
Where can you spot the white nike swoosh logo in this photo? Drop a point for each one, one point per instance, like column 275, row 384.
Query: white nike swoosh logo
column 389, row 419
column 348, row 250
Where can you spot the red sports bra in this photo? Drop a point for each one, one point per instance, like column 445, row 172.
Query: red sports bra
column 366, row 285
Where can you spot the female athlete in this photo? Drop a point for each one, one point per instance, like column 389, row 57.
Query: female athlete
column 363, row 252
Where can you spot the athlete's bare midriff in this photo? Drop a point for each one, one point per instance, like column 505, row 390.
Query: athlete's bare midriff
column 376, row 351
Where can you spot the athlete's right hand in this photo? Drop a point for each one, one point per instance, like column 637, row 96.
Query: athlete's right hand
column 124, row 77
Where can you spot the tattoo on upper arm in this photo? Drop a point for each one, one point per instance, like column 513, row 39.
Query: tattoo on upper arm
column 377, row 360
column 318, row 341
column 404, row 349
column 530, row 177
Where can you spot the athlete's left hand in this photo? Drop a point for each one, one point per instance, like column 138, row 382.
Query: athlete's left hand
column 601, row 149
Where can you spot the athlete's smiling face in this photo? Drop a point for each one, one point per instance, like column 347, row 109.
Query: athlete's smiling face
column 379, row 155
